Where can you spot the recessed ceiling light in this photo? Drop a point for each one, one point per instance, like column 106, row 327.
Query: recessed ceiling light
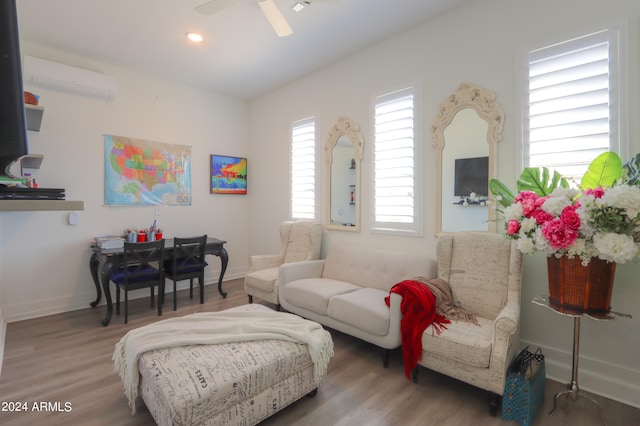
column 299, row 5
column 195, row 37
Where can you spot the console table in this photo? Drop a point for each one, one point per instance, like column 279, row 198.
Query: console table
column 573, row 389
column 102, row 262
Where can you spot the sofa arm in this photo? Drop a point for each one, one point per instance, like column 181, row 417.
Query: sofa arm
column 298, row 270
column 264, row 261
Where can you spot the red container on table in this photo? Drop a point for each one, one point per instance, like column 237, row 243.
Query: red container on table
column 142, row 237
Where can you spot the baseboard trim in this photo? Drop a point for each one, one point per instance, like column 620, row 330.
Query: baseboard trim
column 41, row 308
column 595, row 376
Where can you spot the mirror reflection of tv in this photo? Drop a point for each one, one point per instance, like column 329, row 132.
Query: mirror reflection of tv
column 471, row 175
column 13, row 124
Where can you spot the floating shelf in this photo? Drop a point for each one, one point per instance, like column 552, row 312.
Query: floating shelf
column 40, row 205
column 34, row 116
column 32, row 161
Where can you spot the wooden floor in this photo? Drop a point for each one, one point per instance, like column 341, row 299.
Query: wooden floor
column 64, row 362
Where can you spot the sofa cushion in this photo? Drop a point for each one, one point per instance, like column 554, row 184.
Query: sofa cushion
column 263, row 279
column 364, row 309
column 461, row 341
column 314, row 293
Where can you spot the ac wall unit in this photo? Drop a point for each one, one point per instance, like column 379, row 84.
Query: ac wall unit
column 53, row 75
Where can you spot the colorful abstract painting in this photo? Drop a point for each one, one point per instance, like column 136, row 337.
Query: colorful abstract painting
column 228, row 175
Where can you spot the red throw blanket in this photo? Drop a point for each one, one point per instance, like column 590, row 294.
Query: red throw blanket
column 418, row 309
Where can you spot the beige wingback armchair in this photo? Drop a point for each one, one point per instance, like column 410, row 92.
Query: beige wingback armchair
column 484, row 271
column 299, row 241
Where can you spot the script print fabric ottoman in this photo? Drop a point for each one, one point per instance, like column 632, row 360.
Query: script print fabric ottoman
column 236, row 383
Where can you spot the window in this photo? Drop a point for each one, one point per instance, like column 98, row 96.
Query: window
column 396, row 156
column 571, row 109
column 303, row 135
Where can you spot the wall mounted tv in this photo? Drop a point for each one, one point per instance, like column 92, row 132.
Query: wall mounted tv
column 13, row 125
column 471, row 175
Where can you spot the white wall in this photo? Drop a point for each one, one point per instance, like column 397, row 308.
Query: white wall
column 477, row 43
column 43, row 260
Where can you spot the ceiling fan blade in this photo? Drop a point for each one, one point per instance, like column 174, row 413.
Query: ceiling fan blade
column 214, row 6
column 275, row 18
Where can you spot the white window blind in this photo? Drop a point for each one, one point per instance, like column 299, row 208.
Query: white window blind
column 573, row 103
column 303, row 135
column 396, row 203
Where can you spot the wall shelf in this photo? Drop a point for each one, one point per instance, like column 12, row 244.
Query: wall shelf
column 40, row 205
column 34, row 117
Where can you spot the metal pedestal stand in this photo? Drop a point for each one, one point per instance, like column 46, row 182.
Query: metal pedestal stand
column 573, row 390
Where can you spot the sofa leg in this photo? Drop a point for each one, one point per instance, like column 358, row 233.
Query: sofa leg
column 313, row 393
column 494, row 402
column 414, row 374
column 385, row 358
column 250, row 299
column 278, row 308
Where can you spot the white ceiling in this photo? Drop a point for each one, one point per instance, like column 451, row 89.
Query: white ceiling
column 241, row 55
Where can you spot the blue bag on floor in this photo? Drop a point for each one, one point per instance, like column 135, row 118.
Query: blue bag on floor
column 524, row 387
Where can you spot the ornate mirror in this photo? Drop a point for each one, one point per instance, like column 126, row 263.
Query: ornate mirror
column 466, row 131
column 343, row 152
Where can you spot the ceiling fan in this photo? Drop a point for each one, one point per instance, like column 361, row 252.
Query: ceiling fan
column 269, row 8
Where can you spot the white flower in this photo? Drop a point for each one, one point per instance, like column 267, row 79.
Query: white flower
column 528, row 224
column 513, row 212
column 613, row 247
column 555, row 204
column 526, row 245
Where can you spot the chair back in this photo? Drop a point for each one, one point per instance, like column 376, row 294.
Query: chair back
column 483, row 269
column 141, row 263
column 305, row 239
column 188, row 259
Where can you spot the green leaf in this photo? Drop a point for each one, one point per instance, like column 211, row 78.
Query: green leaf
column 539, row 181
column 604, row 171
column 632, row 171
column 499, row 189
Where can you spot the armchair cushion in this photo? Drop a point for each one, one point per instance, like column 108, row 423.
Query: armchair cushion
column 462, row 341
column 264, row 279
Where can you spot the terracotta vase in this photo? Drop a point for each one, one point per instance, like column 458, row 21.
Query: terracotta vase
column 580, row 288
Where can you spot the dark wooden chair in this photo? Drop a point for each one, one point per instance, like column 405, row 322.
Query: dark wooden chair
column 141, row 268
column 186, row 263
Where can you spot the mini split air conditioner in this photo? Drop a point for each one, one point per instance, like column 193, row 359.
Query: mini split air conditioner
column 53, row 75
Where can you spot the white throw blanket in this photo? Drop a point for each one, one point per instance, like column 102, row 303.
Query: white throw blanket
column 219, row 327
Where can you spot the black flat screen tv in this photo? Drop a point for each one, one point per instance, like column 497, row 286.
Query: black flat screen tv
column 471, row 175
column 13, row 124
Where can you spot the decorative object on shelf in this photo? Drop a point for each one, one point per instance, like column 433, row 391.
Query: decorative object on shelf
column 601, row 220
column 228, row 175
column 472, row 199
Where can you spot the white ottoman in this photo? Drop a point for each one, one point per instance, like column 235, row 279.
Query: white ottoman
column 225, row 384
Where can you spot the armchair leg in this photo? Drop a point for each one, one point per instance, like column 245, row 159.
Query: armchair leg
column 385, row 358
column 191, row 288
column 201, row 285
column 494, row 403
column 278, row 307
column 250, row 299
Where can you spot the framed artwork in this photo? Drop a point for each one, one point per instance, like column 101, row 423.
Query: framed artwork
column 140, row 172
column 228, row 175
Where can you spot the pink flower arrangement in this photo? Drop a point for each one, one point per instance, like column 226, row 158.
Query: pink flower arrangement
column 599, row 222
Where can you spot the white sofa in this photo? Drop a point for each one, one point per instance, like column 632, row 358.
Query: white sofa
column 346, row 291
